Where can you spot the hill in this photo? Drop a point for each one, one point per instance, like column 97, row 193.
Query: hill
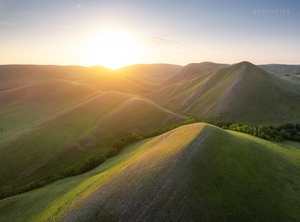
column 12, row 76
column 291, row 72
column 193, row 70
column 242, row 93
column 193, row 173
column 49, row 126
column 155, row 73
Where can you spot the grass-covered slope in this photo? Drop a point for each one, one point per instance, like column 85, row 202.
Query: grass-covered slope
column 193, row 70
column 23, row 107
column 51, row 125
column 193, row 173
column 291, row 72
column 155, row 73
column 241, row 93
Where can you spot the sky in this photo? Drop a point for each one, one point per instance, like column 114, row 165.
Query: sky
column 116, row 33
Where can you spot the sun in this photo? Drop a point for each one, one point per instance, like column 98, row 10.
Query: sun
column 112, row 48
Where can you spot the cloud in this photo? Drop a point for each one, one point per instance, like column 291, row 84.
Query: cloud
column 159, row 40
column 78, row 6
column 5, row 23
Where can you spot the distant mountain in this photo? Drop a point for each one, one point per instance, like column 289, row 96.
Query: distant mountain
column 193, row 173
column 241, row 93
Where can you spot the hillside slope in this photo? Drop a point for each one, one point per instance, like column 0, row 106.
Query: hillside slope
column 241, row 93
column 155, row 73
column 193, row 70
column 193, row 173
column 51, row 125
column 291, row 72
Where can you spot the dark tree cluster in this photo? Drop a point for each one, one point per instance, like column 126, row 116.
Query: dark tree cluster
column 287, row 131
column 126, row 140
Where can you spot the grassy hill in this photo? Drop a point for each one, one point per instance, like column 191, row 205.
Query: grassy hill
column 193, row 70
column 50, row 125
column 291, row 72
column 155, row 73
column 241, row 93
column 12, row 76
column 193, row 173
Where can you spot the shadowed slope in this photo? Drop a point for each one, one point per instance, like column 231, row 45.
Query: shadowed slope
column 240, row 93
column 193, row 173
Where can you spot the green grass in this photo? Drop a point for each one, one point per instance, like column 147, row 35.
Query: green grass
column 48, row 201
column 241, row 93
column 56, row 139
column 195, row 172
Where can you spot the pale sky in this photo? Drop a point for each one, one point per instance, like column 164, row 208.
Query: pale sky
column 116, row 33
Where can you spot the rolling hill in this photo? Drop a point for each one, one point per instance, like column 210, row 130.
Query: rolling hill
column 155, row 73
column 241, row 93
column 12, row 76
column 51, row 125
column 194, row 70
column 291, row 72
column 56, row 119
column 193, row 173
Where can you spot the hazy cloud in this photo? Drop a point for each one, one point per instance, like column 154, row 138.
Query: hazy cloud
column 5, row 23
column 78, row 6
column 159, row 40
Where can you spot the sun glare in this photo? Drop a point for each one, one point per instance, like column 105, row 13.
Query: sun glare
column 112, row 48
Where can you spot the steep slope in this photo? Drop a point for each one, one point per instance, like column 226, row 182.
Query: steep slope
column 241, row 93
column 193, row 173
